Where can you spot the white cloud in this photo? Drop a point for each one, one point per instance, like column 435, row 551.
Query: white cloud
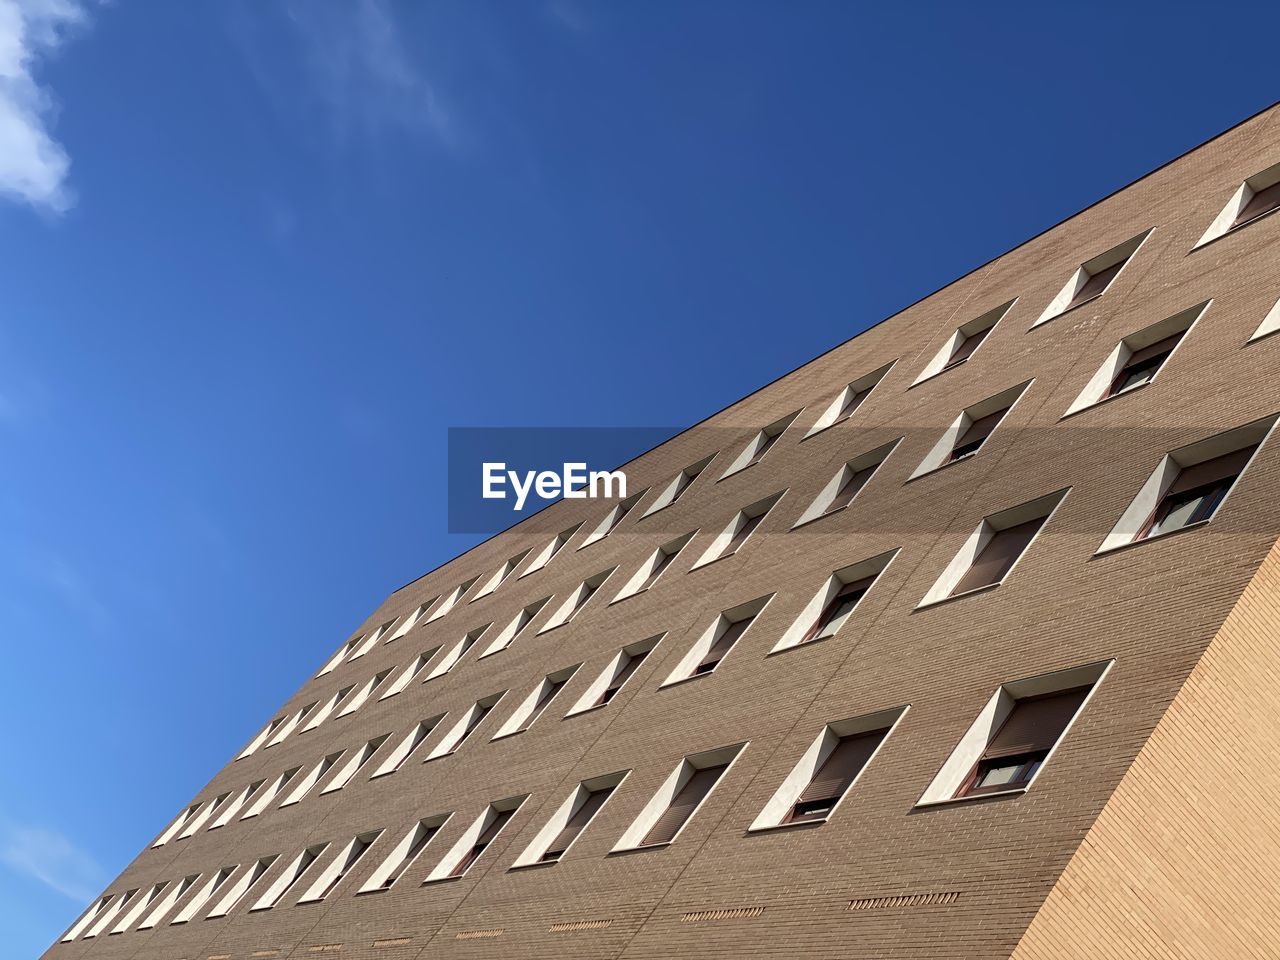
column 33, row 166
column 48, row 856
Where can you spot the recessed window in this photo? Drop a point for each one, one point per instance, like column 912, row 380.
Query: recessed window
column 1252, row 200
column 969, row 431
column 551, row 549
column 228, row 812
column 412, row 670
column 130, row 896
column 832, row 606
column 240, row 889
column 1015, row 735
column 465, row 726
column 760, row 444
column 964, row 342
column 478, row 838
column 621, row 668
column 261, row 738
column 292, row 724
column 269, row 793
column 140, row 906
column 740, row 528
column 366, row 690
column 848, row 482
column 613, row 519
column 654, row 566
column 202, row 815
column 371, row 640
column 326, row 709
column 304, row 784
column 570, row 820
column 848, row 400
column 451, row 600
column 291, row 874
column 183, row 819
column 338, row 657
column 828, row 769
column 717, row 640
column 536, row 703
column 499, row 576
column 1189, row 485
column 1270, row 323
column 1137, row 359
column 339, row 867
column 681, row 482
column 994, row 548
column 405, row 853
column 678, row 799
column 412, row 620
column 203, row 895
column 457, row 652
column 407, row 745
column 515, row 628
column 176, row 892
column 87, row 918
column 1092, row 279
column 354, row 764
column 576, row 600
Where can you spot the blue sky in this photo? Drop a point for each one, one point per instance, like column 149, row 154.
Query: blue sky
column 258, row 256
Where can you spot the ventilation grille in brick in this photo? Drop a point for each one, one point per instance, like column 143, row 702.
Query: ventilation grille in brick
column 906, row 900
column 219, row 956
column 265, row 953
column 579, row 925
column 740, row 913
column 478, row 934
column 324, row 948
column 393, row 942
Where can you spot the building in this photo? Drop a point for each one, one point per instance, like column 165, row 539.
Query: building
column 957, row 642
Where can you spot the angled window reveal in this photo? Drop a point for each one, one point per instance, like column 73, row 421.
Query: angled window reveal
column 364, row 692
column 994, row 548
column 302, row 786
column 1189, row 485
column 500, row 575
column 536, row 702
column 620, row 668
column 744, row 523
column 847, row 483
column 120, row 903
column 678, row 799
column 243, row 885
column 451, row 600
column 557, row 543
column 515, row 628
column 463, row 855
column 203, row 814
column 405, row 853
column 227, row 813
column 465, row 726
column 261, row 738
column 371, row 640
column 355, row 763
column 717, row 640
column 576, row 600
column 294, row 871
column 654, row 566
column 1252, row 200
column 340, row 866
column 88, row 917
column 411, row 671
column 964, row 342
column 457, row 652
column 970, row 430
column 338, row 657
column 176, row 891
column 570, row 820
column 676, row 488
column 264, row 796
column 289, row 726
column 1092, row 278
column 203, row 895
column 172, row 830
column 141, row 905
column 405, row 747
column 325, row 711
column 1015, row 735
column 1270, row 323
column 760, row 444
column 848, row 400
column 828, row 769
column 835, row 602
column 613, row 519
column 411, row 621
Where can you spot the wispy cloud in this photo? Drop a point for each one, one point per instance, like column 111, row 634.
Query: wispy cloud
column 51, row 858
column 33, row 165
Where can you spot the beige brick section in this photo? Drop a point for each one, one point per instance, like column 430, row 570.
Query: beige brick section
column 1181, row 862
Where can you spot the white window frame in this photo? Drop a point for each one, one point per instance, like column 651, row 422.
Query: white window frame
column 407, row 746
column 204, row 895
column 292, row 724
column 410, row 672
column 237, row 802
column 553, row 548
column 179, row 822
column 746, row 458
column 569, row 609
column 111, row 913
column 532, row 854
column 1120, row 252
column 716, row 548
column 987, row 321
column 343, row 863
column 523, row 717
column 1270, row 324
column 661, row 800
column 673, row 491
column 445, row 746
column 939, row 456
column 86, row 918
column 354, row 764
column 451, row 600
column 500, row 576
column 514, row 628
column 821, row 505
column 240, row 889
column 312, row 777
column 176, row 892
column 832, row 414
column 1225, row 221
column 334, row 661
column 411, row 621
column 288, row 877
column 323, row 714
column 852, row 573
column 206, row 811
column 614, row 518
column 601, row 683
column 269, row 793
column 141, row 906
column 670, row 549
column 455, row 653
column 464, row 843
column 684, row 669
column 361, row 696
column 261, row 737
column 372, row 639
column 395, row 858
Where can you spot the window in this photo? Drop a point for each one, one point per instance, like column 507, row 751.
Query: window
column 848, row 400
column 833, row 605
column 457, row 652
column 323, row 714
column 678, row 799
column 203, row 895
column 1189, row 485
column 237, row 802
column 739, row 530
column 183, row 819
column 760, row 444
column 716, row 641
column 964, row 342
column 371, row 640
column 405, row 852
column 830, row 766
column 340, row 866
column 261, row 738
column 614, row 518
column 846, row 484
column 463, row 855
column 176, row 892
column 291, row 725
column 404, row 749
column 411, row 621
column 202, row 816
column 1137, row 359
column 409, row 673
column 242, row 886
column 304, row 785
column 111, row 913
column 1092, row 278
column 355, row 764
column 1253, row 199
column 570, row 820
column 338, row 657
column 1015, row 735
column 654, row 567
column 265, row 797
column 289, row 876
column 465, row 726
column 451, row 600
column 364, row 693
column 969, row 431
column 499, row 576
column 539, row 698
column 551, row 549
column 992, row 550
column 576, row 600
column 87, row 918
column 515, row 629
column 681, row 482
column 614, row 676
column 140, row 906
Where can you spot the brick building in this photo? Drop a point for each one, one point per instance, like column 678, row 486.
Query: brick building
column 956, row 642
